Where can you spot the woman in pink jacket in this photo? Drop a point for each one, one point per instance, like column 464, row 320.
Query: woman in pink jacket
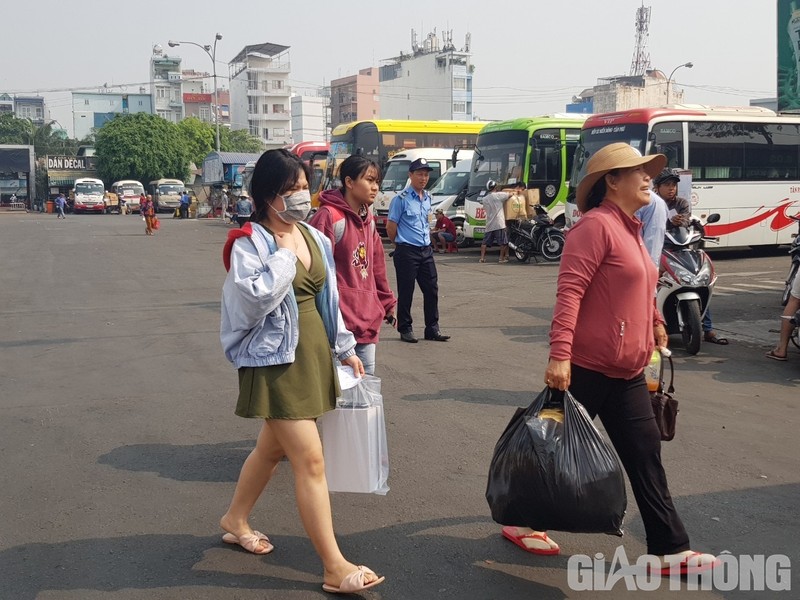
column 605, row 327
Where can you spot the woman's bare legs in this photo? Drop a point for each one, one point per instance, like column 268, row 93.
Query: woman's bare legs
column 256, row 472
column 300, row 440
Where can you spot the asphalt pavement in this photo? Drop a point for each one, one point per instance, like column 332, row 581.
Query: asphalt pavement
column 120, row 448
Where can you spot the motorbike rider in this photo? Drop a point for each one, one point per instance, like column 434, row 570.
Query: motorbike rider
column 665, row 185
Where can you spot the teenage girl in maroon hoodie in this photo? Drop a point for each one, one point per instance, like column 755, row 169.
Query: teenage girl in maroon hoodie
column 365, row 298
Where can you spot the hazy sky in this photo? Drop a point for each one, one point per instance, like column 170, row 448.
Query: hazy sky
column 530, row 56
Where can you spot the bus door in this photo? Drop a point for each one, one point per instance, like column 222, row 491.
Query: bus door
column 546, row 168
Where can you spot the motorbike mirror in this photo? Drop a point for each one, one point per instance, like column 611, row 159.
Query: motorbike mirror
column 713, row 218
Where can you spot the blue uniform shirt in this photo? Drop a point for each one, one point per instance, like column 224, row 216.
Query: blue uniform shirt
column 654, row 218
column 410, row 212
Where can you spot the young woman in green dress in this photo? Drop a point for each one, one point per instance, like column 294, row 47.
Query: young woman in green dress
column 281, row 327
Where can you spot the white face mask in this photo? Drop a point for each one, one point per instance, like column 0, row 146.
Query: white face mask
column 297, row 207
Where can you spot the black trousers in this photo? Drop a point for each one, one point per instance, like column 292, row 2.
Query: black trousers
column 627, row 415
column 414, row 264
column 184, row 212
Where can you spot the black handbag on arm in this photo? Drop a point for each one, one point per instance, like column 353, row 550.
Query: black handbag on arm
column 665, row 406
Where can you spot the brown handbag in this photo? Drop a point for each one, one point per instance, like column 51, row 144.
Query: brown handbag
column 665, row 406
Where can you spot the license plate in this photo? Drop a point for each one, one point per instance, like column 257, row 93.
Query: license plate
column 479, row 229
column 380, row 220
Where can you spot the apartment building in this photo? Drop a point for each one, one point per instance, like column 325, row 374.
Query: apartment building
column 356, row 97
column 433, row 82
column 93, row 110
column 166, row 85
column 260, row 96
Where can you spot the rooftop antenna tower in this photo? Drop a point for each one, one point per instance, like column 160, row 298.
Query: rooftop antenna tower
column 641, row 57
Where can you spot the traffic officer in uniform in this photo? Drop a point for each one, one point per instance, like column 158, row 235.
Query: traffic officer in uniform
column 408, row 228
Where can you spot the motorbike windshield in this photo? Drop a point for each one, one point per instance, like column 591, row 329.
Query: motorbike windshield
column 500, row 156
column 680, row 236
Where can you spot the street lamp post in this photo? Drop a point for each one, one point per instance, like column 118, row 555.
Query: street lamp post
column 212, row 54
column 688, row 65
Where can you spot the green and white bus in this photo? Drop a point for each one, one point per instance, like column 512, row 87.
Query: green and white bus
column 535, row 150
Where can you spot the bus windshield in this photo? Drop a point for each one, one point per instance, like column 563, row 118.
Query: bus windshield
column 170, row 188
column 594, row 139
column 499, row 156
column 131, row 190
column 89, row 188
column 450, row 183
column 396, row 175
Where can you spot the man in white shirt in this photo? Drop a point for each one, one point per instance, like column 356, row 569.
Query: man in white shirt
column 495, row 231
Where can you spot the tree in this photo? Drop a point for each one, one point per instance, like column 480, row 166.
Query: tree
column 141, row 146
column 239, row 140
column 44, row 138
column 198, row 138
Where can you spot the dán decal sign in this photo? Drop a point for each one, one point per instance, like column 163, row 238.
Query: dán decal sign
column 71, row 163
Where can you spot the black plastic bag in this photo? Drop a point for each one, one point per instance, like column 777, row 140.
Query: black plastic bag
column 561, row 476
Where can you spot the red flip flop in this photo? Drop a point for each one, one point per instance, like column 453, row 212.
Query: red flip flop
column 509, row 533
column 686, row 568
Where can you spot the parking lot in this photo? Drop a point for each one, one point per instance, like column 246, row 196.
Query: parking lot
column 121, row 448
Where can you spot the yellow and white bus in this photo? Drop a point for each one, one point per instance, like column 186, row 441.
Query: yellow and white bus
column 381, row 139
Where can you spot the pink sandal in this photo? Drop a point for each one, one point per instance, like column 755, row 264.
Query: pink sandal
column 250, row 542
column 353, row 582
column 539, row 542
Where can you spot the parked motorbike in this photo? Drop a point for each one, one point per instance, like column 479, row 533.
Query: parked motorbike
column 686, row 281
column 535, row 237
column 794, row 252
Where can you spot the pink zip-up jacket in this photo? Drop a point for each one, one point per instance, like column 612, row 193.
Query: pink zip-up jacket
column 605, row 307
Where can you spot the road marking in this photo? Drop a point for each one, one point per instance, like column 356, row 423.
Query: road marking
column 757, row 285
column 748, row 274
column 737, row 290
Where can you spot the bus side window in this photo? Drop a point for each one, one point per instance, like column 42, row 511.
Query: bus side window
column 435, row 174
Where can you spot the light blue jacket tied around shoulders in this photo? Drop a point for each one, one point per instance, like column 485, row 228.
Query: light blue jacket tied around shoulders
column 259, row 322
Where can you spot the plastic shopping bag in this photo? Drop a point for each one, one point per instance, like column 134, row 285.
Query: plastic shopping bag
column 547, row 474
column 354, row 441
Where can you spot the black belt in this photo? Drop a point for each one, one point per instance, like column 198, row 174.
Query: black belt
column 412, row 245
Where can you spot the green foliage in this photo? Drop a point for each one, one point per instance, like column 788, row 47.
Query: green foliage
column 45, row 139
column 141, row 146
column 199, row 139
column 239, row 140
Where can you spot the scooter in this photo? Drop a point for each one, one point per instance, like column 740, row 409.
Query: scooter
column 537, row 236
column 686, row 281
column 794, row 252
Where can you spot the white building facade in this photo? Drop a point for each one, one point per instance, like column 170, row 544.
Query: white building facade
column 432, row 83
column 309, row 119
column 93, row 110
column 166, row 85
column 260, row 96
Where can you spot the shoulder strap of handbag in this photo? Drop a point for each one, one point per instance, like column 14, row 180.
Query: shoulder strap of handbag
column 671, row 388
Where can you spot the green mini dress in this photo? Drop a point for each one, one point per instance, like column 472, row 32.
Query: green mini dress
column 308, row 387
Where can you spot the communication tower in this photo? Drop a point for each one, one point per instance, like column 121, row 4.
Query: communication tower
column 641, row 57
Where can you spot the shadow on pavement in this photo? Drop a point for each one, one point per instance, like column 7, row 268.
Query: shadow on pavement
column 464, row 568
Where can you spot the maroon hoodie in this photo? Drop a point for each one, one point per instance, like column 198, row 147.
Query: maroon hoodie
column 364, row 294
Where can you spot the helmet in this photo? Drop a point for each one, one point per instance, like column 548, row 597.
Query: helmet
column 490, row 185
column 665, row 176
